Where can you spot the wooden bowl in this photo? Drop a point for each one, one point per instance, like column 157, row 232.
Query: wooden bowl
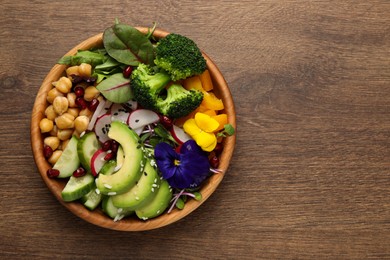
column 97, row 217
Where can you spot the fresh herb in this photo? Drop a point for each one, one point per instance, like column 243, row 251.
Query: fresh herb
column 127, row 45
column 116, row 88
column 227, row 131
column 84, row 56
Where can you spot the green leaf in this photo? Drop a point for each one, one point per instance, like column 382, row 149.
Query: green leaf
column 127, row 45
column 84, row 56
column 116, row 88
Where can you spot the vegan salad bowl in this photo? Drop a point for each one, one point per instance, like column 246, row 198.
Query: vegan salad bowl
column 134, row 128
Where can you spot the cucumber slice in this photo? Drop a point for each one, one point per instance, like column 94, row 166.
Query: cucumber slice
column 77, row 187
column 69, row 159
column 114, row 212
column 92, row 199
column 86, row 147
column 108, row 168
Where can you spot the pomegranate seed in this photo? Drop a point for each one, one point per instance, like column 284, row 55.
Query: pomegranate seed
column 166, row 121
column 214, row 162
column 218, row 148
column 79, row 91
column 109, row 156
column 52, row 173
column 93, row 104
column 107, row 145
column 127, row 71
column 47, row 151
column 81, row 103
column 79, row 172
column 114, row 146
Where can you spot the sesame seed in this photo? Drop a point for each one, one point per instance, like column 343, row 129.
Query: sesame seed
column 97, row 191
column 152, row 189
column 108, row 186
column 154, row 185
column 158, row 212
column 155, row 180
column 120, row 210
column 111, row 193
column 144, row 218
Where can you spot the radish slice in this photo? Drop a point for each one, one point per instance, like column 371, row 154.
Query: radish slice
column 139, row 130
column 142, row 117
column 179, row 135
column 102, row 126
column 131, row 104
column 98, row 112
column 97, row 161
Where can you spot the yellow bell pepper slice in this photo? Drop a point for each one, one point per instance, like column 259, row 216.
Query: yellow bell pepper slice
column 206, row 122
column 207, row 83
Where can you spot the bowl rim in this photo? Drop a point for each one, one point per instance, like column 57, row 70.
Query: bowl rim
column 96, row 217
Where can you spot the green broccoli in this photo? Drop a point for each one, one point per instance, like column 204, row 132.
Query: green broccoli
column 147, row 82
column 179, row 56
column 179, row 101
column 148, row 85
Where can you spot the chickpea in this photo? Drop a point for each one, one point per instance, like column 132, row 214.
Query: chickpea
column 55, row 156
column 81, row 123
column 50, row 113
column 86, row 112
column 74, row 70
column 52, row 94
column 64, row 134
column 90, row 93
column 85, row 69
column 65, row 121
column 52, row 141
column 46, row 125
column 63, row 85
column 64, row 144
column 54, row 131
column 60, row 105
column 74, row 111
column 71, row 99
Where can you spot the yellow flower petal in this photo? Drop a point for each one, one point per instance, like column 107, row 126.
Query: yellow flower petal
column 206, row 122
column 191, row 128
column 210, row 147
column 204, row 139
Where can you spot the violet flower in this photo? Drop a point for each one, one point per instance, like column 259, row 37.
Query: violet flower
column 187, row 169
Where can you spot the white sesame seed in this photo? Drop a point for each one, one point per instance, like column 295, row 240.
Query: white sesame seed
column 117, row 168
column 82, row 133
column 112, row 193
column 155, row 180
column 144, row 218
column 97, row 191
column 154, row 185
column 108, row 186
column 120, row 210
column 158, row 212
column 152, row 189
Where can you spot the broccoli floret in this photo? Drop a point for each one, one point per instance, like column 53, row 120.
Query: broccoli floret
column 148, row 85
column 147, row 82
column 179, row 102
column 179, row 56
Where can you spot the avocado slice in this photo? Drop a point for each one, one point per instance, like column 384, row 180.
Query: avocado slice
column 133, row 163
column 145, row 189
column 158, row 204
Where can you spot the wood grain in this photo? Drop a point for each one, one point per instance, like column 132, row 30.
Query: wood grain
column 309, row 178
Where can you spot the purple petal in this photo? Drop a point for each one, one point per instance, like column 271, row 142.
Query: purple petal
column 165, row 157
column 190, row 146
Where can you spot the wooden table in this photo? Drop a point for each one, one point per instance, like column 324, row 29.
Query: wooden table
column 310, row 176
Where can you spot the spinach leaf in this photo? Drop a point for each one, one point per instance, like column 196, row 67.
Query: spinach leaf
column 116, row 88
column 128, row 45
column 84, row 56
